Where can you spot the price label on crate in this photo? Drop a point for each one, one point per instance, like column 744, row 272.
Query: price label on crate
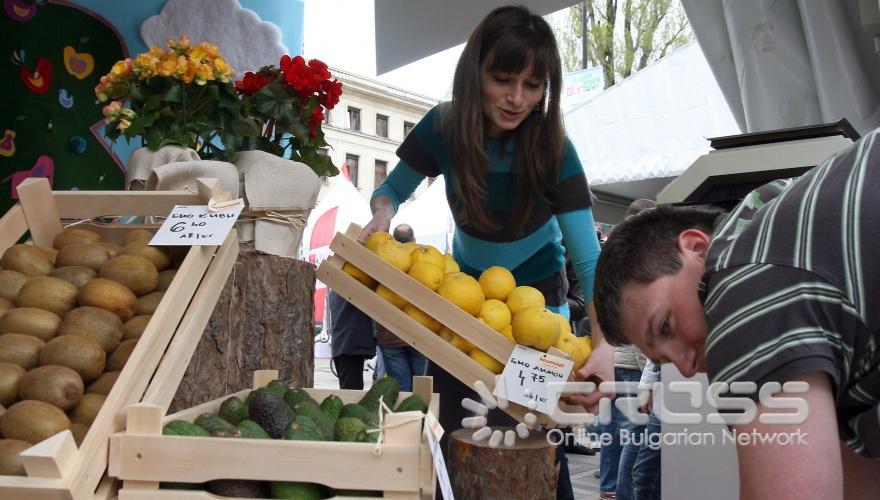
column 526, row 376
column 195, row 225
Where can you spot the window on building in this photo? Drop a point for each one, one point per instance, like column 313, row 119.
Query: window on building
column 352, row 162
column 407, row 127
column 326, row 116
column 324, row 152
column 380, row 173
column 382, row 125
column 354, row 118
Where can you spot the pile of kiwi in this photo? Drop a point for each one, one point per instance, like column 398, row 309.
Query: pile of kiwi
column 70, row 317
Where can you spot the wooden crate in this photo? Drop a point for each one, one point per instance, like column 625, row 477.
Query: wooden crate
column 142, row 457
column 346, row 248
column 56, row 468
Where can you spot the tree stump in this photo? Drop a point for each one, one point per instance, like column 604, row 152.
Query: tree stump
column 264, row 320
column 526, row 471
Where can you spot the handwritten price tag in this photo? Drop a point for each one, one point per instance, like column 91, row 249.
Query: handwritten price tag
column 195, row 225
column 526, row 376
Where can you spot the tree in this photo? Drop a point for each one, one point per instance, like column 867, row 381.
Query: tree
column 623, row 35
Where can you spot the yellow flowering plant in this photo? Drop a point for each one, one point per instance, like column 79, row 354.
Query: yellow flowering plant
column 179, row 95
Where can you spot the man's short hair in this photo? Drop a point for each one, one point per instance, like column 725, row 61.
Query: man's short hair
column 637, row 206
column 641, row 250
column 404, row 233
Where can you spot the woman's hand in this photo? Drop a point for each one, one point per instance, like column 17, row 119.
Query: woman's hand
column 383, row 211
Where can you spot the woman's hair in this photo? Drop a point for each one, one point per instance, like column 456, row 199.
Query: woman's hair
column 507, row 40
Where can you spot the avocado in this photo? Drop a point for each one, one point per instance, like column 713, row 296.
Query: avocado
column 248, row 429
column 313, row 411
column 271, row 412
column 350, row 429
column 303, row 428
column 412, row 403
column 387, row 389
column 357, row 411
column 278, row 386
column 331, row 407
column 216, row 426
column 294, row 397
column 298, row 491
column 238, row 488
column 183, row 428
column 233, row 410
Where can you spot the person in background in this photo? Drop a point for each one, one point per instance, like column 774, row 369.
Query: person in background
column 399, row 359
column 351, row 341
column 515, row 184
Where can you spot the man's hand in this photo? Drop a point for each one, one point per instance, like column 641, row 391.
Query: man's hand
column 598, row 368
column 646, row 400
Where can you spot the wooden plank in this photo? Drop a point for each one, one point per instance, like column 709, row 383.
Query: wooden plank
column 88, row 204
column 13, row 226
column 209, row 189
column 51, row 458
column 36, row 199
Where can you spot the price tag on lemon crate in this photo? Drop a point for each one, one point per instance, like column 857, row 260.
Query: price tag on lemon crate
column 526, row 376
column 195, row 225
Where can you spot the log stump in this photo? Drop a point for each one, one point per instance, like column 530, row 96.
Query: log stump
column 526, row 471
column 264, row 320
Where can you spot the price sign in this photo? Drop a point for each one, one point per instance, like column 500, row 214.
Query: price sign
column 196, row 225
column 526, row 376
column 433, row 432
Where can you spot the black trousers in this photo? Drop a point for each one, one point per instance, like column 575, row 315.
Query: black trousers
column 350, row 370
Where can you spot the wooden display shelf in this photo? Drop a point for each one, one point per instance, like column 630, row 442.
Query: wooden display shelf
column 56, row 468
column 346, row 248
column 402, row 469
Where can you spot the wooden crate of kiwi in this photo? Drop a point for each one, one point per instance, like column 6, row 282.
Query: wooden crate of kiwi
column 281, row 442
column 91, row 319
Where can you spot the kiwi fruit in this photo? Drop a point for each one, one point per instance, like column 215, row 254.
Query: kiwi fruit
column 135, row 272
column 33, row 421
column 94, row 323
column 87, row 409
column 104, row 384
column 33, row 321
column 109, row 295
column 49, row 252
column 91, row 255
column 134, row 328
column 10, row 463
column 57, row 385
column 5, row 305
column 79, row 432
column 10, row 374
column 165, row 279
column 51, row 294
column 159, row 256
column 26, row 259
column 19, row 349
column 82, row 355
column 148, row 303
column 78, row 275
column 117, row 360
column 10, row 284
column 137, row 235
column 75, row 236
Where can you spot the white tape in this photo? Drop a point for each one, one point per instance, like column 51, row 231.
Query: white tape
column 496, row 438
column 522, row 431
column 474, row 406
column 509, row 439
column 485, row 395
column 502, row 403
column 530, row 419
column 473, row 422
column 482, row 434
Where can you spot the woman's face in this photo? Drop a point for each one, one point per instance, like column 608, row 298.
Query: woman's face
column 509, row 98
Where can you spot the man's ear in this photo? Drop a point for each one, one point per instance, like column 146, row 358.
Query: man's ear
column 694, row 241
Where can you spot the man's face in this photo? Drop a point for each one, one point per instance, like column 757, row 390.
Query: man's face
column 665, row 319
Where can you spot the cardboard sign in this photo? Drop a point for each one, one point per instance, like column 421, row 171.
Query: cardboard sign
column 195, row 225
column 526, row 376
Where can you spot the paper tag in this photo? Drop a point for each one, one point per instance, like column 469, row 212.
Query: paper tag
column 437, row 455
column 195, row 225
column 222, row 206
column 526, row 376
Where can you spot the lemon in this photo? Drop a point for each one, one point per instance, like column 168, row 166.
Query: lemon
column 524, row 296
column 564, row 325
column 395, row 254
column 427, row 274
column 577, row 351
column 464, row 291
column 508, row 333
column 420, row 316
column 497, row 283
column 461, row 343
column 396, row 300
column 429, row 254
column 410, row 246
column 446, row 334
column 495, row 314
column 359, row 275
column 535, row 327
column 377, row 239
column 486, row 361
column 451, row 264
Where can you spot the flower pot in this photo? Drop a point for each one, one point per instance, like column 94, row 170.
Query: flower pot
column 143, row 160
column 279, row 194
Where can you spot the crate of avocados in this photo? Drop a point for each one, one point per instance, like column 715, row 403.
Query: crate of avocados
column 281, row 442
column 434, row 314
column 87, row 313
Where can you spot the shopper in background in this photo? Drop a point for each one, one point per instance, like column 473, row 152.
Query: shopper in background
column 351, row 341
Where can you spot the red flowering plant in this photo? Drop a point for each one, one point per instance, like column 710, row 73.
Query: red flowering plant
column 290, row 102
